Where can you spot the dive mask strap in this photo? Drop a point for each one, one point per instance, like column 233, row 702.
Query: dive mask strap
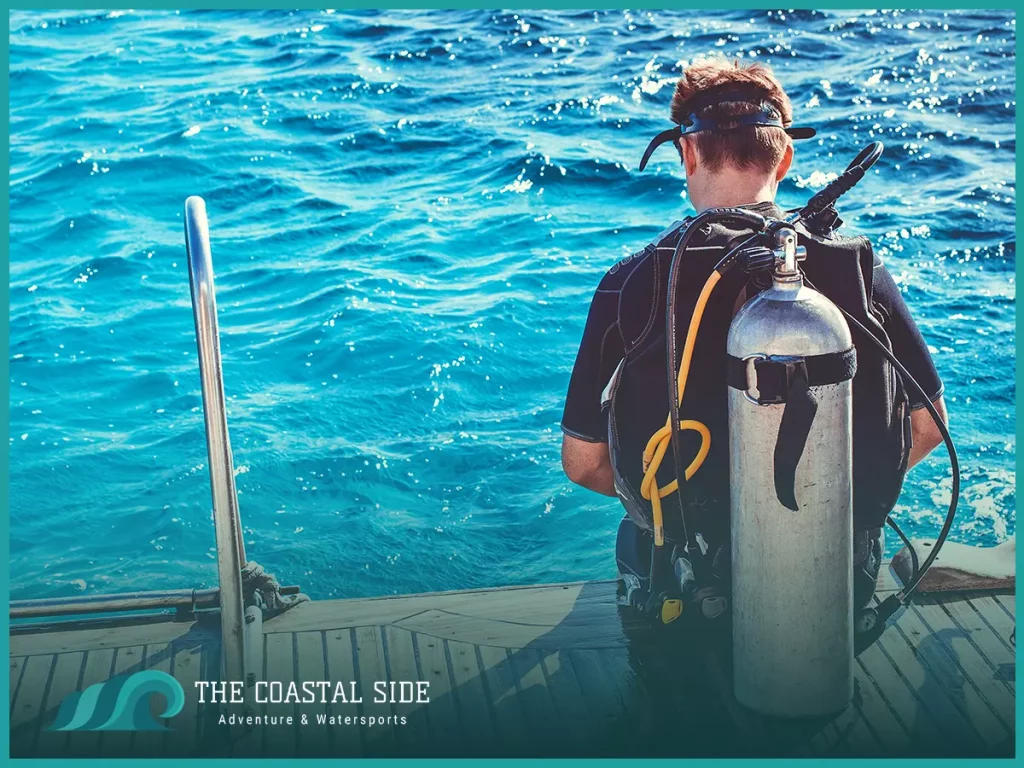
column 672, row 134
column 765, row 117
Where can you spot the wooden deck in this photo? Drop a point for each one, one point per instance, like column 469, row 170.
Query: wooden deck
column 560, row 670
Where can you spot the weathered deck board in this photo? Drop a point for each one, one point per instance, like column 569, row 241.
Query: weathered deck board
column 378, row 740
column 506, row 706
column 99, row 666
column 467, row 679
column 559, row 670
column 126, row 660
column 311, row 664
column 26, row 714
column 341, row 667
column 185, row 669
column 157, row 656
column 443, row 714
column 944, row 669
column 66, row 671
column 415, row 734
column 279, row 740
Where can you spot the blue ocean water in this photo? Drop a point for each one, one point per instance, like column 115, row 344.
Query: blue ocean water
column 410, row 212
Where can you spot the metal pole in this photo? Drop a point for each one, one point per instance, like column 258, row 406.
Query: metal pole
column 227, row 524
column 122, row 602
column 130, row 601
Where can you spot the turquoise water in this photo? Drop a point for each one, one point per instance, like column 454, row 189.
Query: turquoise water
column 410, row 212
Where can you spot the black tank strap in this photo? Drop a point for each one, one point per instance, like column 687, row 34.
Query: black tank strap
column 773, row 375
column 795, row 427
column 784, row 379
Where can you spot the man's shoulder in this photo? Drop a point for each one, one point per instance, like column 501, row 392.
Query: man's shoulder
column 623, row 269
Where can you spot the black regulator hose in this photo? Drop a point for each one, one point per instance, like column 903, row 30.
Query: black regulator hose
column 845, row 182
column 854, row 173
column 755, row 222
column 892, row 603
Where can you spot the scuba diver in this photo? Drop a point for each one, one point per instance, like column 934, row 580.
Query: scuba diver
column 734, row 136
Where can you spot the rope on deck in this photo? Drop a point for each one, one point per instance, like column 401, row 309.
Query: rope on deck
column 263, row 588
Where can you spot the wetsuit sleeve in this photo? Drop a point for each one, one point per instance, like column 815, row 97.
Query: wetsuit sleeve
column 600, row 352
column 907, row 342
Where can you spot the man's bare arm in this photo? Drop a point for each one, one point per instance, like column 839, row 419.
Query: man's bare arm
column 588, row 464
column 925, row 433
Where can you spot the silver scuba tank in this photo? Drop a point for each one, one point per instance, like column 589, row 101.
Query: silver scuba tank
column 791, row 496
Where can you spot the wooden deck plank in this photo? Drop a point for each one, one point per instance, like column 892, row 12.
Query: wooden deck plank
column 514, row 734
column 89, row 639
column 345, row 739
column 185, row 669
column 27, row 713
column 978, row 672
column 996, row 651
column 569, row 702
column 993, row 636
column 959, row 735
column 151, row 743
column 686, row 703
column 414, row 738
column 854, row 731
column 603, row 703
column 25, row 717
column 533, row 692
column 895, row 714
column 475, row 714
column 752, row 737
column 630, row 687
column 17, row 666
column 118, row 744
column 279, row 740
column 994, row 615
column 311, row 665
column 378, row 740
column 562, row 670
column 942, row 673
column 211, row 733
column 1008, row 603
column 99, row 666
column 447, row 734
column 67, row 670
column 568, row 607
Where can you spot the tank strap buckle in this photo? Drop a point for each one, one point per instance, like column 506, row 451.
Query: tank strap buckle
column 750, row 363
column 790, row 368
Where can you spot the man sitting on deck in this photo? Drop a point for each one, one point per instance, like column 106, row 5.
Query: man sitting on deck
column 728, row 165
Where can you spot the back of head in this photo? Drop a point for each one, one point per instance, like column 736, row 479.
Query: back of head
column 754, row 88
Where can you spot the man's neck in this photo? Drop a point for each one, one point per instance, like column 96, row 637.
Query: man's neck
column 733, row 189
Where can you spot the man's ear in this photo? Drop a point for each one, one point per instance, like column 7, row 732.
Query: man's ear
column 787, row 160
column 688, row 150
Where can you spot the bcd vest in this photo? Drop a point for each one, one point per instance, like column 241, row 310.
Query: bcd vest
column 637, row 397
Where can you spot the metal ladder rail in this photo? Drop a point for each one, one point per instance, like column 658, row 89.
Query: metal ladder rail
column 227, row 522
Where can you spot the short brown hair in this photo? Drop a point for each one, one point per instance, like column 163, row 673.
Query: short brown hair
column 749, row 147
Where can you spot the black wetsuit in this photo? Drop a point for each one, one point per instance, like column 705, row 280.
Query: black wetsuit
column 602, row 349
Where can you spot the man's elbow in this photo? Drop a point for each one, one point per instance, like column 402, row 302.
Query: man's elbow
column 588, row 464
column 580, row 473
column 926, row 433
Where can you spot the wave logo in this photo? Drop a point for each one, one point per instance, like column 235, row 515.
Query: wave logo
column 121, row 704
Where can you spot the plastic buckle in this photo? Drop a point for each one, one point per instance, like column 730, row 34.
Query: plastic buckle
column 793, row 365
column 751, row 392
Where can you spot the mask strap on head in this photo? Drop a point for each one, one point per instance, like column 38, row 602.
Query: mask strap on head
column 672, row 134
column 767, row 116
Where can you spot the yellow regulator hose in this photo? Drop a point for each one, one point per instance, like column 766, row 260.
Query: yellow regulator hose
column 660, row 440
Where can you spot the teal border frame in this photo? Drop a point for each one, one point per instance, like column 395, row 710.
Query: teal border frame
column 424, row 5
